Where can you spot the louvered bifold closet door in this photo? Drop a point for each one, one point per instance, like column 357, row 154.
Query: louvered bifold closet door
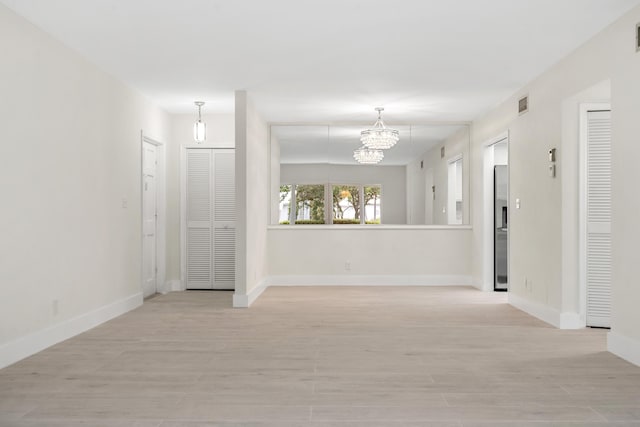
column 224, row 217
column 598, row 239
column 198, row 217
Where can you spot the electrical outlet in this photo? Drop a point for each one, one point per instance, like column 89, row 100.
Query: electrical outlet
column 347, row 265
column 55, row 307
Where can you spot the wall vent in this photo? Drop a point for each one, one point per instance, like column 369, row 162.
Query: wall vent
column 638, row 37
column 523, row 104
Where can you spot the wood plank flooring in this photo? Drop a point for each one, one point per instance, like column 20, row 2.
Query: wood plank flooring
column 325, row 356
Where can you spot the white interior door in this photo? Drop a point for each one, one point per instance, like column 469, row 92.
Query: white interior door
column 224, row 216
column 598, row 218
column 210, row 219
column 149, row 219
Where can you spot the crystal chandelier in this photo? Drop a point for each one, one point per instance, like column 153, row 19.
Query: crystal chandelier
column 379, row 137
column 367, row 156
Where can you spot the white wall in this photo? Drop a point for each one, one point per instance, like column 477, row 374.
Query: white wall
column 220, row 134
column 543, row 236
column 624, row 338
column 252, row 198
column 431, row 256
column 391, row 178
column 70, row 155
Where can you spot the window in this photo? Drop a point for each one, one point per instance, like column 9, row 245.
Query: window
column 372, row 198
column 350, row 204
column 285, row 204
column 304, row 204
column 346, row 204
column 356, row 204
column 309, row 204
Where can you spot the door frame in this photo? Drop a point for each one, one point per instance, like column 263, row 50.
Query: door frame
column 488, row 211
column 585, row 108
column 161, row 222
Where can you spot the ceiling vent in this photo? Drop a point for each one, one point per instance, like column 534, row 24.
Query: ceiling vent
column 523, row 104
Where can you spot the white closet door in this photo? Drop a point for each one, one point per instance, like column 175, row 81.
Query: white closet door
column 224, row 214
column 198, row 218
column 211, row 233
column 598, row 239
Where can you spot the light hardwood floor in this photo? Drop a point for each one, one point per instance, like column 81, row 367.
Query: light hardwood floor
column 329, row 356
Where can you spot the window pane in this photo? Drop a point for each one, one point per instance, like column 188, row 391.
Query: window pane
column 372, row 203
column 310, row 204
column 346, row 204
column 285, row 203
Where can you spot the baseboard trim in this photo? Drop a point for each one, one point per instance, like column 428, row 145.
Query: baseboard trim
column 174, row 285
column 572, row 320
column 566, row 320
column 23, row 347
column 370, row 280
column 624, row 347
column 245, row 300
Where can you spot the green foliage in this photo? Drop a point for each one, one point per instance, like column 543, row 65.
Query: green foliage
column 309, row 221
column 352, row 194
column 312, row 197
column 285, row 222
column 345, row 221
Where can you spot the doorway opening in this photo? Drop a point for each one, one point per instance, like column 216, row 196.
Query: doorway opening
column 595, row 214
column 153, row 228
column 496, row 214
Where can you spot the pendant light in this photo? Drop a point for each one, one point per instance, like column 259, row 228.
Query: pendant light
column 199, row 128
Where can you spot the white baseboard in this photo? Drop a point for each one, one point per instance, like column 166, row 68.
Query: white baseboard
column 369, row 280
column 28, row 345
column 479, row 284
column 174, row 285
column 624, row 347
column 245, row 300
column 567, row 320
column 572, row 320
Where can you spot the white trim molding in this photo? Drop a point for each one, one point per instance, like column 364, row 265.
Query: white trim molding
column 561, row 320
column 245, row 300
column 369, row 280
column 624, row 347
column 161, row 219
column 28, row 345
column 175, row 285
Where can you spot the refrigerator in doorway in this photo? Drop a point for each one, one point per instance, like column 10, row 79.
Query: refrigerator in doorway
column 501, row 227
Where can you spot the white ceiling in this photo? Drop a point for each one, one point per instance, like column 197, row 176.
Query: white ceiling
column 329, row 60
